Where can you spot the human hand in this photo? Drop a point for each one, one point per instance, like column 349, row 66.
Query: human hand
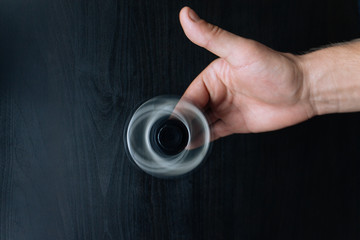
column 250, row 87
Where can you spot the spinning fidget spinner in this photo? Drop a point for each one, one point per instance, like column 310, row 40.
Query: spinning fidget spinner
column 166, row 137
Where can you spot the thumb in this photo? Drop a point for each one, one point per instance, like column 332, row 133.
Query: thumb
column 218, row 41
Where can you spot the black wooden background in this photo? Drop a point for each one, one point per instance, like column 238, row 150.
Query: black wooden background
column 73, row 70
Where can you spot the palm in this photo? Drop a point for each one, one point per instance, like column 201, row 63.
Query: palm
column 265, row 95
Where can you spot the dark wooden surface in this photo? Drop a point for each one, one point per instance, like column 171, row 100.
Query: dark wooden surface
column 72, row 72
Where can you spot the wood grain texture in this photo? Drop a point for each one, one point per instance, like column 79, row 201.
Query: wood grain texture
column 73, row 71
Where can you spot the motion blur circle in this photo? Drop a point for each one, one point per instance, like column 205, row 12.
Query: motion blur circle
column 166, row 137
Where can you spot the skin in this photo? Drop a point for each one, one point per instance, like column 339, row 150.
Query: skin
column 253, row 88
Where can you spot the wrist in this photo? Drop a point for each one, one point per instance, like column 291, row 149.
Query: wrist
column 317, row 70
column 333, row 78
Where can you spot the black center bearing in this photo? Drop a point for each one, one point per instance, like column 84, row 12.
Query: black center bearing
column 168, row 136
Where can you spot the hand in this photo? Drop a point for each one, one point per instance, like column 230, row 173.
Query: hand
column 250, row 88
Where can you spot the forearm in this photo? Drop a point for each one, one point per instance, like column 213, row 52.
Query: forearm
column 332, row 77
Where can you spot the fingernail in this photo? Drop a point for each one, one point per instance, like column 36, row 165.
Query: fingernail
column 193, row 16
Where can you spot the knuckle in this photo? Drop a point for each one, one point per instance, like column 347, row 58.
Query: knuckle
column 213, row 33
column 215, row 30
column 221, row 67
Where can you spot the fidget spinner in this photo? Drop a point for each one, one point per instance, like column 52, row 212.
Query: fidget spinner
column 166, row 137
